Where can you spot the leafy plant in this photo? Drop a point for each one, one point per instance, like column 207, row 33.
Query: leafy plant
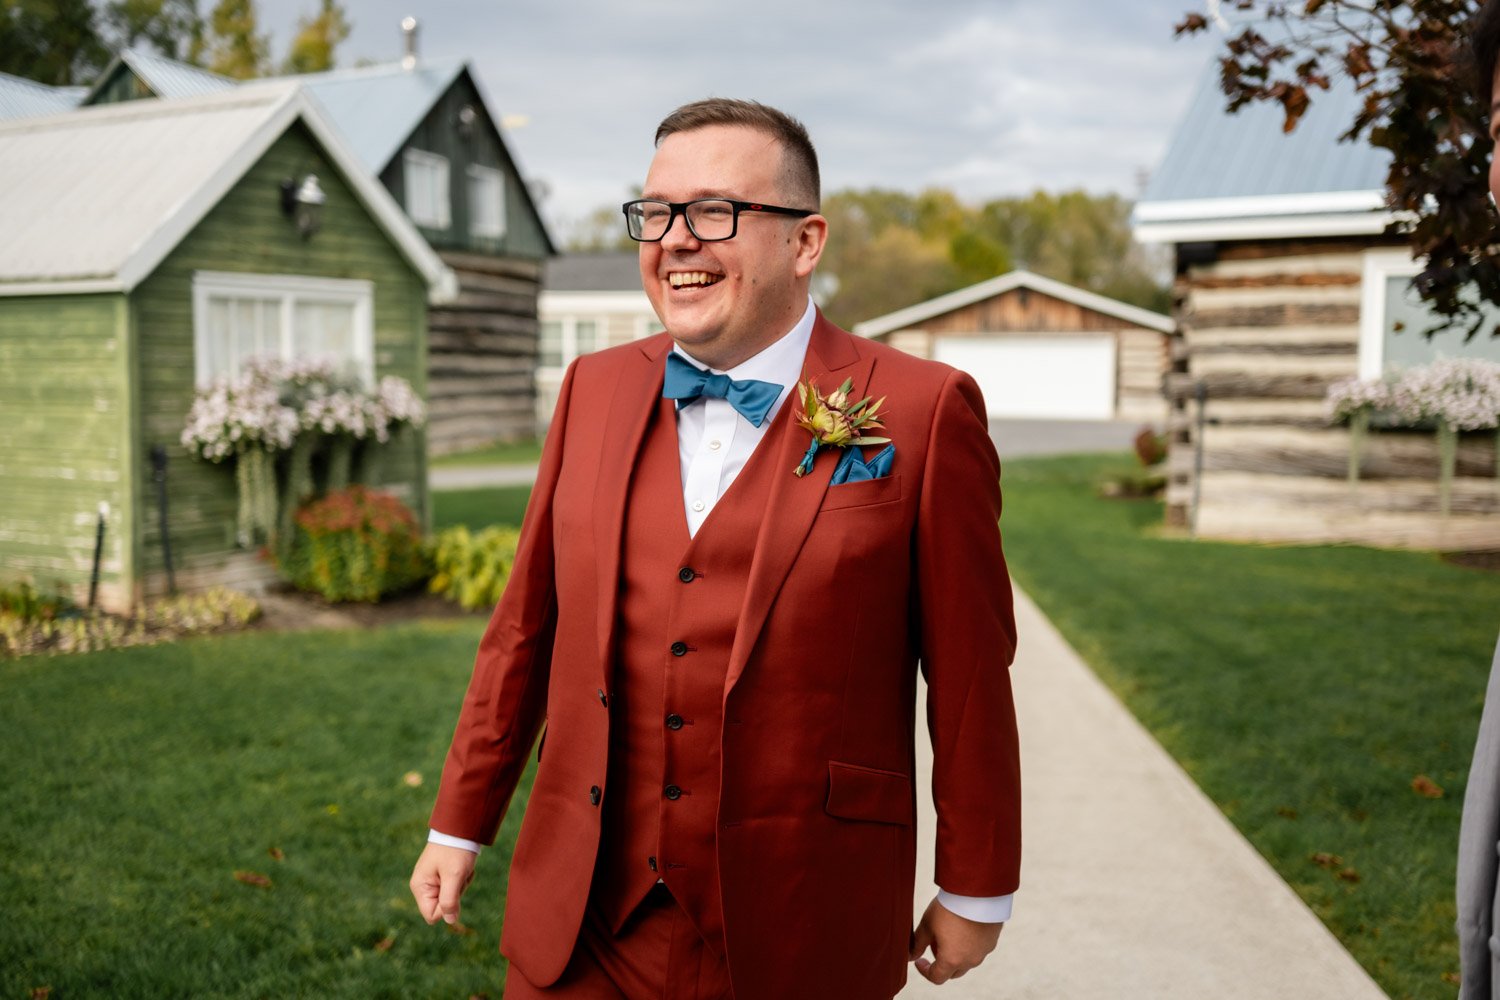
column 355, row 544
column 25, row 602
column 472, row 568
column 213, row 610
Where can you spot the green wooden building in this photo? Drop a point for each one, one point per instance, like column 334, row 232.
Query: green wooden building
column 426, row 131
column 147, row 250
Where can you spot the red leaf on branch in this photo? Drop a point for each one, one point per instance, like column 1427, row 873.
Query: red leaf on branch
column 1190, row 24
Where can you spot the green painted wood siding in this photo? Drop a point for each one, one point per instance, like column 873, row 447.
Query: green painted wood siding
column 438, row 133
column 246, row 232
column 66, row 415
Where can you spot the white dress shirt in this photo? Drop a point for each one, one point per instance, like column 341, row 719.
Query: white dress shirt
column 713, row 444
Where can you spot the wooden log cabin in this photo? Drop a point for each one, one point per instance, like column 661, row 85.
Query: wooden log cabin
column 1040, row 348
column 1285, row 282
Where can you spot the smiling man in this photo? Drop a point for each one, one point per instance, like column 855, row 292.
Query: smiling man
column 724, row 589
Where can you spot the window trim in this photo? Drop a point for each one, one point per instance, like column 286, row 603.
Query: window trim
column 443, row 169
column 478, row 171
column 1379, row 267
column 289, row 289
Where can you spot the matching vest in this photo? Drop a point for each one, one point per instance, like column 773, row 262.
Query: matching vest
column 679, row 602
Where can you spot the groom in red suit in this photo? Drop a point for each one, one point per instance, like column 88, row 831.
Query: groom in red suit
column 715, row 629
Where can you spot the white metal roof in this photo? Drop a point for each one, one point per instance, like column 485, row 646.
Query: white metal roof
column 94, row 199
column 166, row 77
column 922, row 311
column 23, row 98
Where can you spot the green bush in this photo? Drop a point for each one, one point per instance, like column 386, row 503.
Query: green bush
column 472, row 568
column 24, row 602
column 355, row 544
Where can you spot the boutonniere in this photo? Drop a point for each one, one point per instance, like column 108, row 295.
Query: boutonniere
column 834, row 420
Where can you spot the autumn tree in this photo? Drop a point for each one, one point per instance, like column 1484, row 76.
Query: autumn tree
column 1421, row 103
column 236, row 46
column 317, row 39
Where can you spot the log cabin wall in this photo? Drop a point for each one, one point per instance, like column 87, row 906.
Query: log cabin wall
column 1142, row 357
column 482, row 354
column 1265, row 328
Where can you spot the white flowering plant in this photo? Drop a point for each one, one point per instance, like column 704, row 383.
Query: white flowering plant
column 232, row 415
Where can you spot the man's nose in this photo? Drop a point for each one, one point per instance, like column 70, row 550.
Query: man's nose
column 679, row 237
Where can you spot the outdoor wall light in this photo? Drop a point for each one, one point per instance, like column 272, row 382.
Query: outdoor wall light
column 304, row 204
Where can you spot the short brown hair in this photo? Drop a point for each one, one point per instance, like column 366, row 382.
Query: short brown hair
column 1484, row 49
column 799, row 159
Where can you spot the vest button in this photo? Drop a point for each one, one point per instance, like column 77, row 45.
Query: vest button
column 679, row 649
column 594, row 795
column 673, row 792
column 686, row 574
column 674, row 721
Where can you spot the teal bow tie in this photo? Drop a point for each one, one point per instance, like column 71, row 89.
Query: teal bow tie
column 686, row 382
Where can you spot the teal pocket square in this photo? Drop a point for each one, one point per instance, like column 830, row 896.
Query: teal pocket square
column 852, row 467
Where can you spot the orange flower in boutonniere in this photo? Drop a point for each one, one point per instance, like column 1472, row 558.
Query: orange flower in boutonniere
column 834, row 420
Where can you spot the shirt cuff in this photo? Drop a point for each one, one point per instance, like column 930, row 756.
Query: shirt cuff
column 982, row 909
column 433, row 837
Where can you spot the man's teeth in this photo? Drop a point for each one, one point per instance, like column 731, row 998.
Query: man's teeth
column 682, row 279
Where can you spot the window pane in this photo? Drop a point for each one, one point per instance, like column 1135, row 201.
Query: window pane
column 1406, row 316
column 587, row 336
column 486, row 202
column 426, row 188
column 325, row 330
column 551, row 344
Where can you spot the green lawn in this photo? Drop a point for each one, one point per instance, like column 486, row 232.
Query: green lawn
column 479, row 508
column 513, row 453
column 1302, row 687
column 141, row 780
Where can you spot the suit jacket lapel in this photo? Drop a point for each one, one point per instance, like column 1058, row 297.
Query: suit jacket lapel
column 794, row 501
column 636, row 393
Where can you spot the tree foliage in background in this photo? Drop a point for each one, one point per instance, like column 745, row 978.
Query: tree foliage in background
column 317, row 39
column 69, row 42
column 56, row 42
column 891, row 249
column 1408, row 61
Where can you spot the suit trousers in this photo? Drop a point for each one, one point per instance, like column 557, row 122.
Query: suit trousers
column 658, row 955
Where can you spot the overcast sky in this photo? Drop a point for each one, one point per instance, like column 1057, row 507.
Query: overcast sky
column 987, row 98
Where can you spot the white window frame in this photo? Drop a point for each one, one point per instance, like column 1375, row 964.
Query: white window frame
column 433, row 168
column 288, row 289
column 1379, row 267
column 479, row 173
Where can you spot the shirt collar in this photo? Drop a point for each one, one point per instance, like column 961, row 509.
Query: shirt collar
column 780, row 362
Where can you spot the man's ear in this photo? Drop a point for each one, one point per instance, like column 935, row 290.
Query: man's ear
column 810, row 236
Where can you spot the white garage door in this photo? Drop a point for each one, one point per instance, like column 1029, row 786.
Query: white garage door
column 1065, row 378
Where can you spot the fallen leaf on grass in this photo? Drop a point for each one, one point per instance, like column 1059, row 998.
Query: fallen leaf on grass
column 384, row 944
column 463, row 930
column 479, row 996
column 1452, row 978
column 1324, row 860
column 253, row 878
column 277, row 854
column 1349, row 875
column 412, row 779
column 1424, row 785
column 332, row 809
column 41, row 992
column 1286, row 812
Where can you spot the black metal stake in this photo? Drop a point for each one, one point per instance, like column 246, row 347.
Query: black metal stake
column 159, row 473
column 98, row 554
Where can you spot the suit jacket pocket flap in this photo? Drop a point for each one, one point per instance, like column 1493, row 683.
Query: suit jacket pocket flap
column 863, row 494
column 870, row 794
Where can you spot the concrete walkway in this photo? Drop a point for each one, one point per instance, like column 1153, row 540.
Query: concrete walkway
column 1133, row 884
column 470, row 477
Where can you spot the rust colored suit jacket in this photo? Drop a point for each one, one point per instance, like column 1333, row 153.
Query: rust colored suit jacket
column 849, row 589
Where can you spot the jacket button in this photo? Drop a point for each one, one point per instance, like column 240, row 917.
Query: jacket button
column 603, row 698
column 679, row 649
column 652, row 862
column 594, row 795
column 673, row 792
column 674, row 721
column 686, row 574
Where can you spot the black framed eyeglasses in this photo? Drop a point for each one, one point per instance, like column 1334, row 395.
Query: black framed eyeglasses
column 708, row 219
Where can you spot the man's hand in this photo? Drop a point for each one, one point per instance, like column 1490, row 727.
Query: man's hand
column 958, row 944
column 439, row 879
